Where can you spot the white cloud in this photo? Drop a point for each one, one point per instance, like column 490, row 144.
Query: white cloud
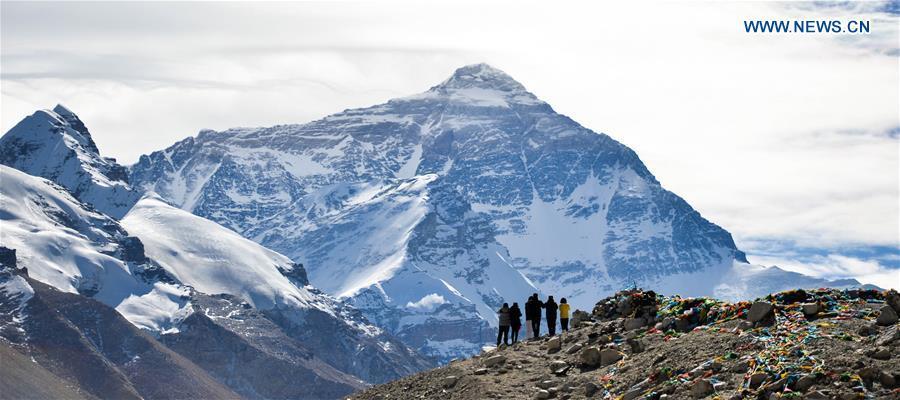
column 427, row 303
column 835, row 266
column 771, row 136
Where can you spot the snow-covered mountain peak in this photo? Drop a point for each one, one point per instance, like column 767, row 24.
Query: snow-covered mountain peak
column 482, row 85
column 56, row 145
column 75, row 123
column 483, row 76
column 64, row 111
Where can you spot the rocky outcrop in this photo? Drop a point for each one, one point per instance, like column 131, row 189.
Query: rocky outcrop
column 296, row 274
column 8, row 257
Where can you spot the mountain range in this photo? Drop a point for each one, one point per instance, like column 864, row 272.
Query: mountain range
column 311, row 260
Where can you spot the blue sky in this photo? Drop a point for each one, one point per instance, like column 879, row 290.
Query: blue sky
column 788, row 141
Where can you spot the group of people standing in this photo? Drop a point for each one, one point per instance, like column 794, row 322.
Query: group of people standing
column 510, row 318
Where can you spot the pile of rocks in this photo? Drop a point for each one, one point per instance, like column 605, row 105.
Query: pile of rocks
column 801, row 344
column 635, row 307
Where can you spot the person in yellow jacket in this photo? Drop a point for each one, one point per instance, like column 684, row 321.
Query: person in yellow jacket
column 564, row 314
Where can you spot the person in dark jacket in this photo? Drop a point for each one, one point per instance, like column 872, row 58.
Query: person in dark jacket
column 515, row 321
column 503, row 332
column 551, row 307
column 529, row 316
column 536, row 306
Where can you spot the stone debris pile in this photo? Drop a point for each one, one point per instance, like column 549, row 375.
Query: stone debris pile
column 815, row 344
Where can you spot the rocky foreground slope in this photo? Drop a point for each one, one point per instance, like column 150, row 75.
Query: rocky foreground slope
column 820, row 344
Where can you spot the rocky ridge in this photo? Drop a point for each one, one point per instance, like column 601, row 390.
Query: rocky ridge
column 813, row 344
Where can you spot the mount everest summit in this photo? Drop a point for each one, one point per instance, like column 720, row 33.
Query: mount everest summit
column 429, row 211
column 414, row 219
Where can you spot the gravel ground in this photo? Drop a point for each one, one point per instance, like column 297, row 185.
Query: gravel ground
column 841, row 351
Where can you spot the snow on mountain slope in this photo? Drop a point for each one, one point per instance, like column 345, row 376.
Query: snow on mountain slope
column 56, row 145
column 76, row 249
column 429, row 211
column 215, row 260
column 79, row 250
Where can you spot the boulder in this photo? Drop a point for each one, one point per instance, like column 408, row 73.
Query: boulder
column 757, row 379
column 625, row 305
column 633, row 394
column 887, row 379
column 574, row 348
column 590, row 356
column 776, row 386
column 867, row 330
column 542, row 394
column 760, row 311
column 869, row 375
column 547, row 384
column 805, row 382
column 610, row 356
column 554, row 344
column 590, row 389
column 880, row 353
column 481, row 371
column 449, row 381
column 558, row 366
column 494, row 360
column 637, row 346
column 683, row 325
column 892, row 298
column 888, row 337
column 810, row 309
column 741, row 366
column 579, row 317
column 701, row 388
column 887, row 316
column 634, row 323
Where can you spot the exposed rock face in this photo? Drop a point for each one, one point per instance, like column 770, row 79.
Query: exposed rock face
column 8, row 257
column 297, row 274
column 817, row 358
column 226, row 333
column 91, row 346
column 429, row 211
column 133, row 250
